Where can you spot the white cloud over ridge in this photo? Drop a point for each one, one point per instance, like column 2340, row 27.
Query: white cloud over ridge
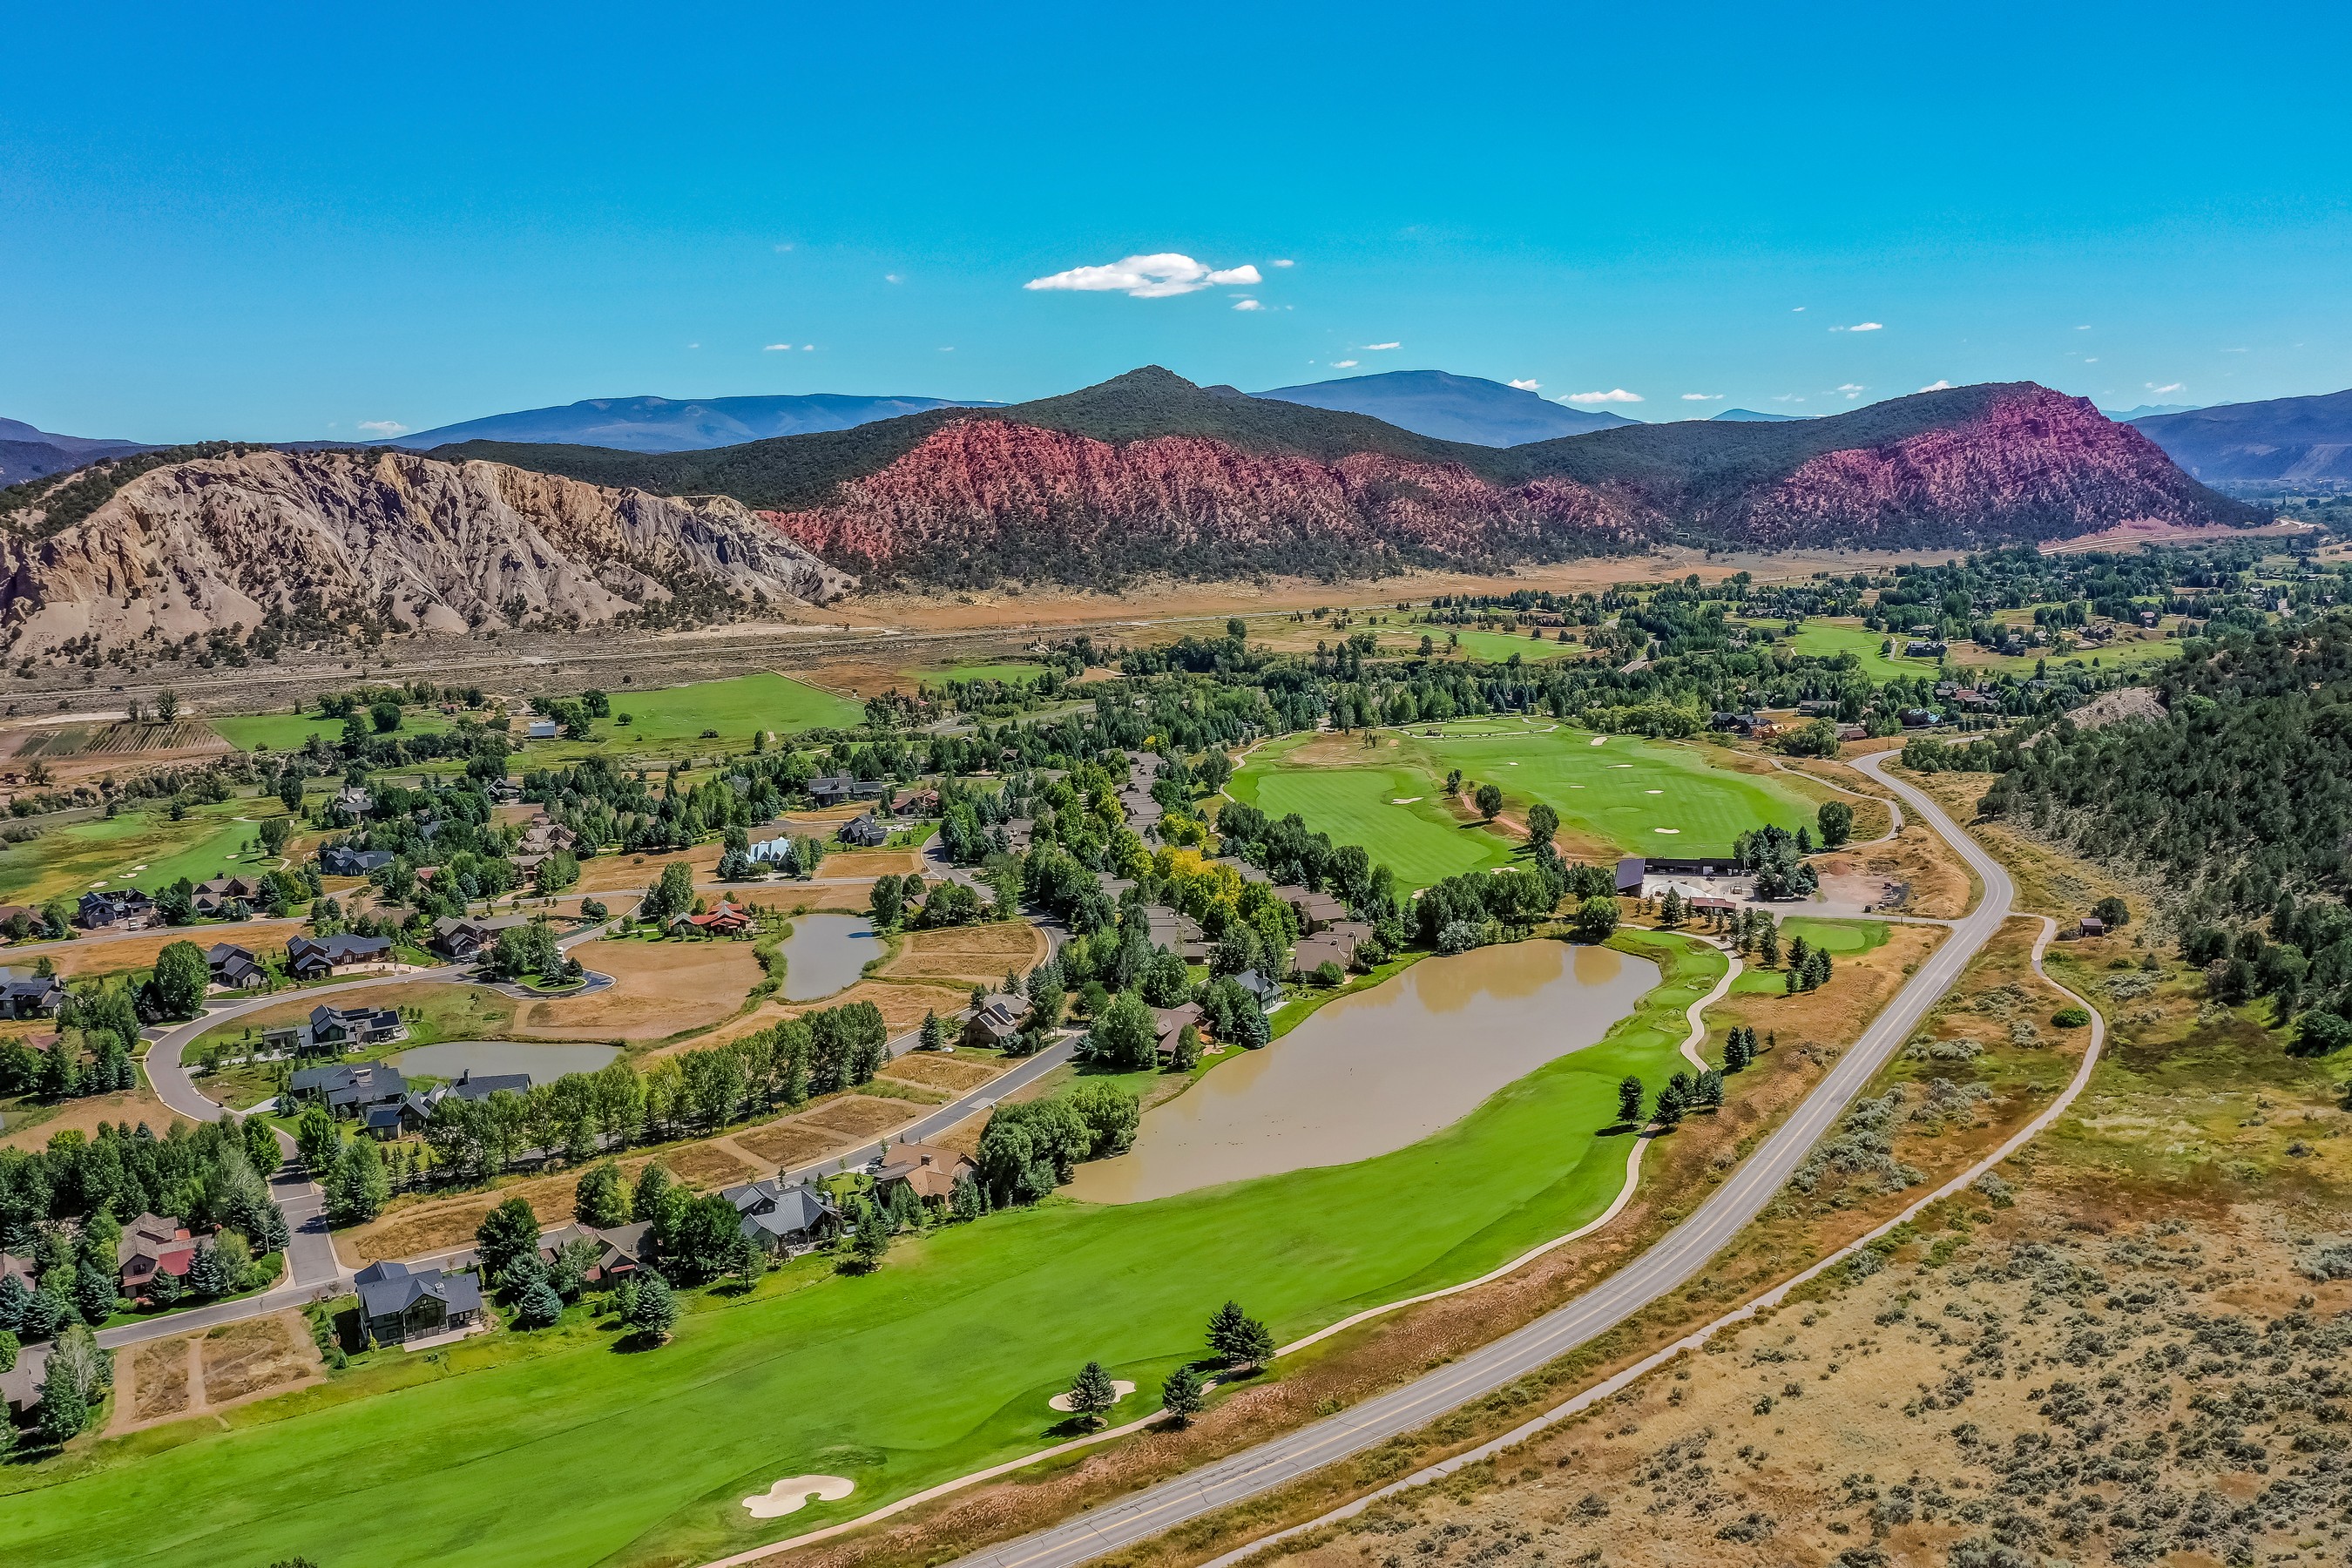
column 1529, row 385
column 2168, row 387
column 1862, row 327
column 1702, row 398
column 1614, row 394
column 385, row 426
column 1343, row 365
column 1157, row 277
column 1937, row 385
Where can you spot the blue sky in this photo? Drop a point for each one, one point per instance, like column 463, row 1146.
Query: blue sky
column 293, row 222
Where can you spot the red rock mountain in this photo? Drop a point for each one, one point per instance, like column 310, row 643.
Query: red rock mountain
column 991, row 494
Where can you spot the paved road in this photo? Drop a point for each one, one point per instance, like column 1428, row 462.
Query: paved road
column 1669, row 1263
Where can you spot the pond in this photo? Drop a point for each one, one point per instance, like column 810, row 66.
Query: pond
column 545, row 1062
column 1378, row 1070
column 827, row 953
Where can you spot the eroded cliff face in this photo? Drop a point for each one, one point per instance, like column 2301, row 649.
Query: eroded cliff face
column 1017, row 499
column 315, row 537
column 2039, row 465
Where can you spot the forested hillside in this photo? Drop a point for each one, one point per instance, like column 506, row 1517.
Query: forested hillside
column 2240, row 798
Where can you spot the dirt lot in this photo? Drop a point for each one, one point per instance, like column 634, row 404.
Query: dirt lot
column 903, row 1004
column 784, row 1144
column 856, row 1116
column 33, row 1127
column 244, row 1359
column 664, row 987
column 870, row 863
column 1941, row 887
column 615, row 873
column 969, row 955
column 959, row 1075
column 159, row 1381
column 113, row 955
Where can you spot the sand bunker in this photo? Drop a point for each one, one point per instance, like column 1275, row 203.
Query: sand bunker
column 1654, row 792
column 1666, row 830
column 1600, row 739
column 791, row 1494
column 1119, row 1388
column 1404, row 800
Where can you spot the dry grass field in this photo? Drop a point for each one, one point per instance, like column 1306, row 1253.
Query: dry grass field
column 664, row 988
column 971, row 955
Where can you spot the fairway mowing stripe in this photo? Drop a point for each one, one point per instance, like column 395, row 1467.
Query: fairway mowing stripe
column 1697, row 1033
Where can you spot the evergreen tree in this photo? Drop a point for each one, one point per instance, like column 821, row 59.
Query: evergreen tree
column 356, row 1193
column 1670, row 910
column 1708, row 1093
column 935, row 1033
column 1738, row 1048
column 208, row 1273
column 1091, row 1395
column 1629, row 1098
column 1182, row 1395
column 869, row 1240
column 93, row 1293
column 1240, row 1338
column 1673, row 1100
column 507, row 1233
column 537, row 1306
column 654, row 1311
column 65, row 1404
column 600, row 1200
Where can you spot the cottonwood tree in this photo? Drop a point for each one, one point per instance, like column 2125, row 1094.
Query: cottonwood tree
column 359, row 1189
column 1543, row 822
column 1836, row 819
column 507, row 1232
column 600, row 1200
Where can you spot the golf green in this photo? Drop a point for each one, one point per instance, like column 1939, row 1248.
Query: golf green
column 555, row 1450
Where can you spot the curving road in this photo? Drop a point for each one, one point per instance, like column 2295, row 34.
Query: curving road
column 1671, row 1262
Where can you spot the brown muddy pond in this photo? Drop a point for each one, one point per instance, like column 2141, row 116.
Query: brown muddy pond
column 1373, row 1072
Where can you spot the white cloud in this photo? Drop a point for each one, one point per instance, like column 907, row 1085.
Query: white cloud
column 2084, row 327
column 1853, row 389
column 808, row 348
column 2168, row 387
column 385, row 426
column 1247, row 304
column 1377, row 348
column 1286, row 261
column 694, row 345
column 1529, row 385
column 949, row 349
column 1340, row 363
column 782, row 249
column 1796, row 310
column 1862, row 327
column 1702, row 398
column 776, row 348
column 1937, row 385
column 1614, row 394
column 1147, row 277
column 892, row 278
column 2093, row 360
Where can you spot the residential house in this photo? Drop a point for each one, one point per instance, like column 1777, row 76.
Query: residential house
column 125, row 910
column 1852, row 732
column 840, row 789
column 350, row 1028
column 539, row 729
column 216, row 896
column 1267, row 992
column 472, row 1085
column 621, row 1249
column 1179, row 933
column 350, row 1090
column 2091, row 925
column 1242, row 868
column 1814, row 707
column 316, row 957
column 464, row 937
column 1170, row 1023
column 1923, row 648
column 780, row 1218
column 1019, row 832
column 918, row 802
column 997, row 1019
column 342, row 860
column 25, row 995
column 1318, row 911
column 20, row 1386
column 866, row 832
column 1316, row 952
column 722, row 919
column 776, row 851
column 929, row 1171
column 235, row 967
column 151, row 1244
column 399, row 1301
column 1921, row 718
column 352, row 798
column 33, row 920
column 1113, row 888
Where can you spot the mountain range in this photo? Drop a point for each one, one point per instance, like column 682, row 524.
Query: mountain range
column 673, row 425
column 1149, row 472
column 2285, row 439
column 1450, row 407
column 1750, row 417
column 26, row 453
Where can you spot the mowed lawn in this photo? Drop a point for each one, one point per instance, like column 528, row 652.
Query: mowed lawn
column 141, row 847
column 939, row 1362
column 1827, row 639
column 292, row 731
column 1421, row 842
column 1497, row 646
column 735, row 707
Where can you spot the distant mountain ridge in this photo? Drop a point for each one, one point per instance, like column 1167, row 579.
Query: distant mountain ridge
column 1750, row 417
column 676, row 424
column 26, row 453
column 1450, row 408
column 1148, row 473
column 2281, row 440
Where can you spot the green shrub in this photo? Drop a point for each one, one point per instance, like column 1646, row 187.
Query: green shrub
column 2070, row 1018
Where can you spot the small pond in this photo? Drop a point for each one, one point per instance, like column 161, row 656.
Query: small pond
column 1378, row 1070
column 545, row 1062
column 827, row 953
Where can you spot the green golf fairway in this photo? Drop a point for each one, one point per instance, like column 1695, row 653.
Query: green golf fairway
column 734, row 708
column 553, row 1449
column 1634, row 796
